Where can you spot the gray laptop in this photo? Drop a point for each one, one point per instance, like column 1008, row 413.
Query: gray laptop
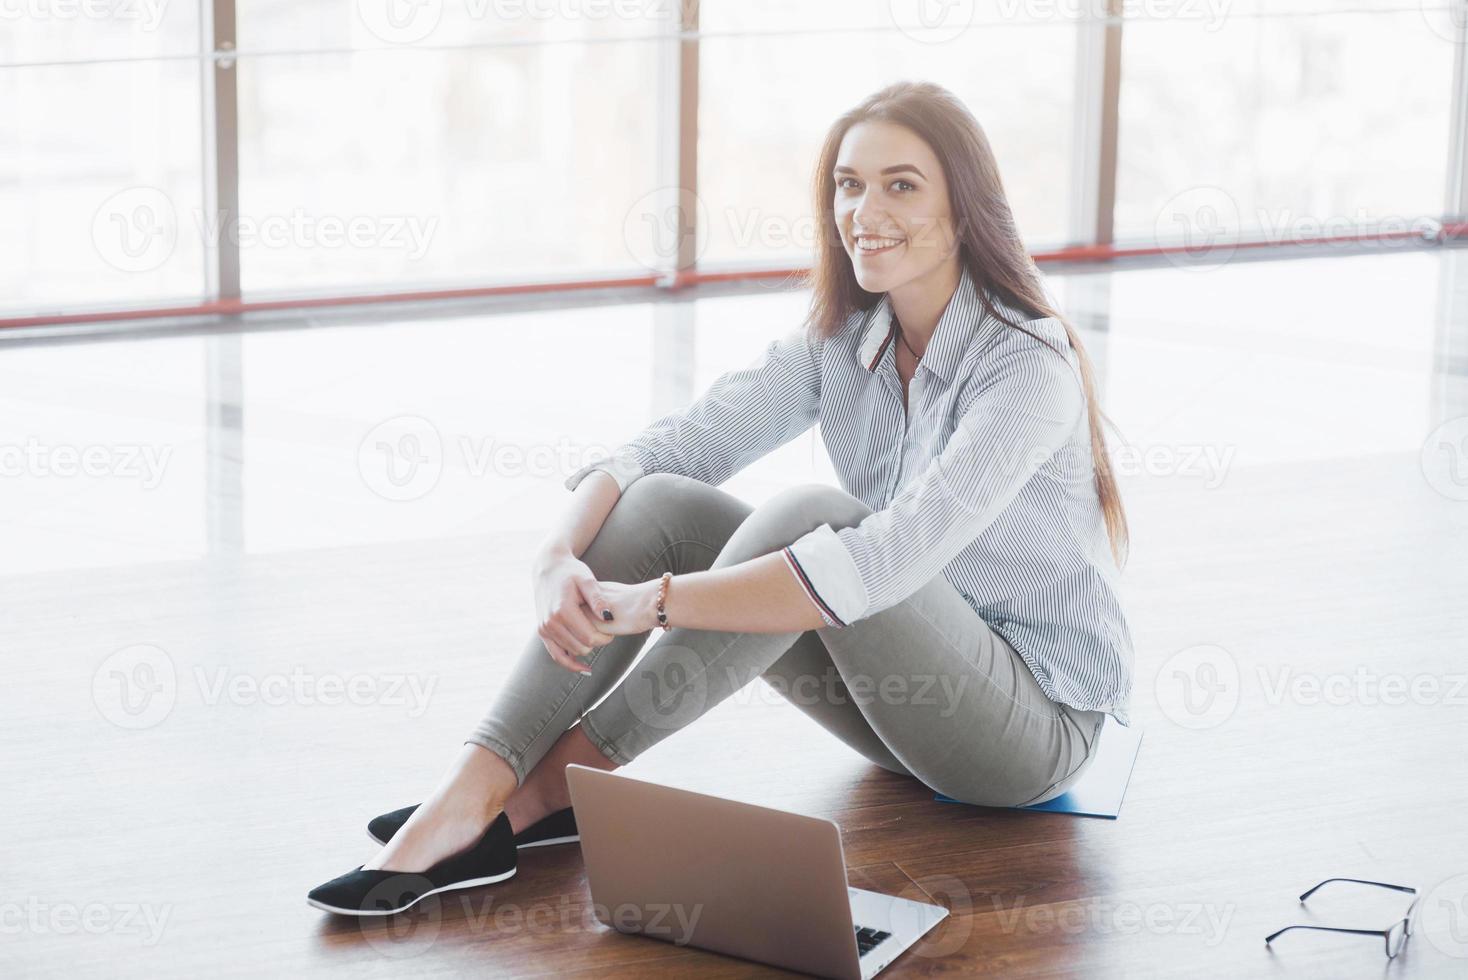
column 749, row 881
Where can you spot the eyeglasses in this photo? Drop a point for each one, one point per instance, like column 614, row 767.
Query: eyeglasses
column 1395, row 936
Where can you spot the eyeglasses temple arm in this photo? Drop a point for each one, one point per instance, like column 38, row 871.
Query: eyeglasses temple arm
column 1358, row 932
column 1359, row 881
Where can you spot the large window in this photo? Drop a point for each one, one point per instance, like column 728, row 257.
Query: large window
column 100, row 143
column 463, row 141
column 1283, row 123
column 773, row 79
column 381, row 146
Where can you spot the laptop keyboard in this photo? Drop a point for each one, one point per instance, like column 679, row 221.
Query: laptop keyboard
column 867, row 939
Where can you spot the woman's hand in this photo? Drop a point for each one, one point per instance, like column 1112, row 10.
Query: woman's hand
column 634, row 607
column 566, row 592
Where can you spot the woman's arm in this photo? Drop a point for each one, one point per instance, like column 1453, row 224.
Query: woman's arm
column 568, row 603
column 744, row 415
column 770, row 600
column 1029, row 403
column 755, row 596
column 591, row 502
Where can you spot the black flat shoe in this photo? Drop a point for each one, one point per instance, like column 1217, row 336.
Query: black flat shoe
column 555, row 828
column 360, row 892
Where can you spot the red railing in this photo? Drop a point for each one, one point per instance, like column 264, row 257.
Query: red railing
column 1074, row 254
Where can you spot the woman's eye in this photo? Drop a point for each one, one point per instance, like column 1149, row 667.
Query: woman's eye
column 905, row 183
column 841, row 181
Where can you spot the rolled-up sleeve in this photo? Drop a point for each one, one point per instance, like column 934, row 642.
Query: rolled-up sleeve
column 624, row 466
column 745, row 414
column 1027, row 407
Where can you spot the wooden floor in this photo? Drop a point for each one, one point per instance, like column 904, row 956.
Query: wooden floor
column 176, row 832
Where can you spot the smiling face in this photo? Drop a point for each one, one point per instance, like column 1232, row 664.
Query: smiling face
column 891, row 206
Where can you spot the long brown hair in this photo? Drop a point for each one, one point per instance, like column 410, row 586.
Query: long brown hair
column 989, row 246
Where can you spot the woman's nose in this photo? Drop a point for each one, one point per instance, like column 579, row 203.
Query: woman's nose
column 868, row 215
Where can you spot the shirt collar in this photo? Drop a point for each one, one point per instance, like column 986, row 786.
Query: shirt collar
column 950, row 338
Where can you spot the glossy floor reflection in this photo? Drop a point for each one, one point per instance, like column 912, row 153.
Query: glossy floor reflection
column 128, row 452
column 216, row 517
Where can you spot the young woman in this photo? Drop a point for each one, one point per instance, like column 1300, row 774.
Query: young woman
column 952, row 614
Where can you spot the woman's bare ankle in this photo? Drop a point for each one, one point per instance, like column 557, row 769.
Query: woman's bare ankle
column 470, row 796
column 545, row 791
column 526, row 809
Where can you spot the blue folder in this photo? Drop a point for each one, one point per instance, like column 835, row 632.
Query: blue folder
column 1099, row 791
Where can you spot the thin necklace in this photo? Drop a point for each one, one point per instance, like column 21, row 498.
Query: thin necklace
column 903, row 337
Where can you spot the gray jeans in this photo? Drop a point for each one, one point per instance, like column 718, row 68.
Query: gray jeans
column 924, row 688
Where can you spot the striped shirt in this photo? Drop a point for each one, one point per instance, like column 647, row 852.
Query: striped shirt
column 985, row 478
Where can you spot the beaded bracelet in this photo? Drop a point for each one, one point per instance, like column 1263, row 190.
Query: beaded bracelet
column 662, row 598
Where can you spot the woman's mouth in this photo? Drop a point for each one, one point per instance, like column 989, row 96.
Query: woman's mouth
column 876, row 244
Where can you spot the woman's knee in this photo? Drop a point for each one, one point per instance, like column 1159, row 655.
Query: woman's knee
column 662, row 513
column 815, row 499
column 796, row 511
column 654, row 489
column 645, row 500
column 629, row 523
